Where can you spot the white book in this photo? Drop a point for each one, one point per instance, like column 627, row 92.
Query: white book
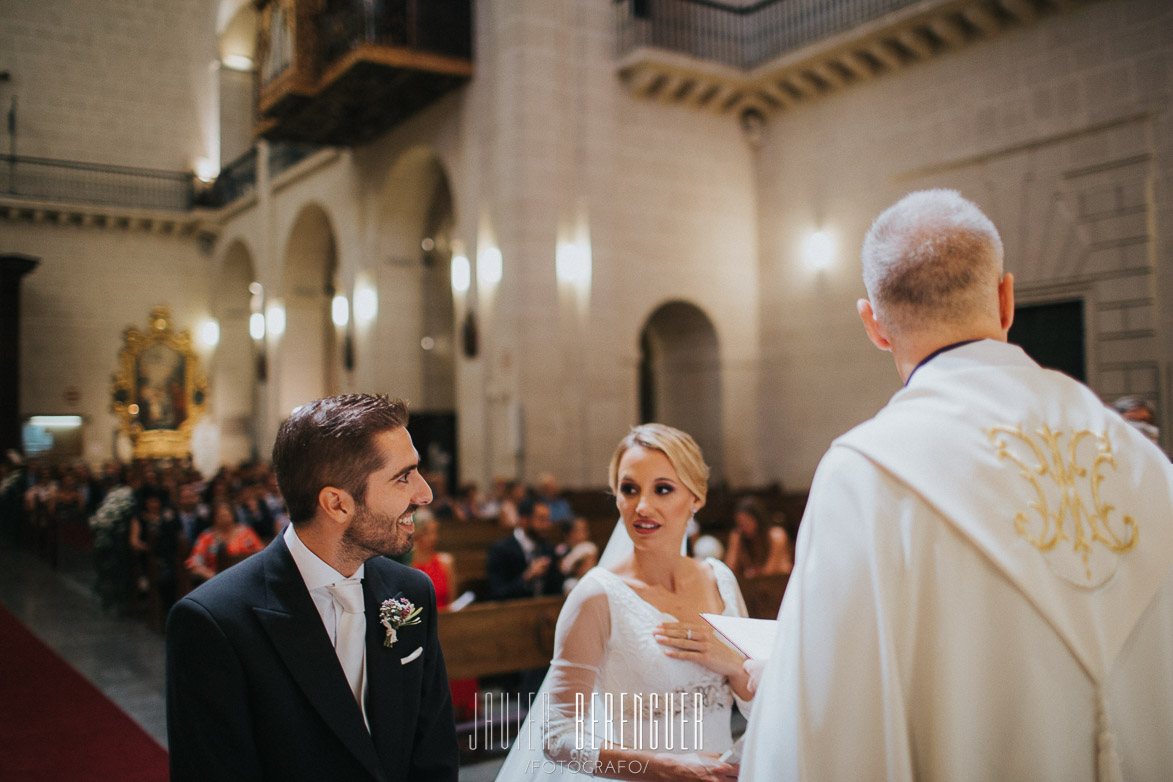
column 752, row 637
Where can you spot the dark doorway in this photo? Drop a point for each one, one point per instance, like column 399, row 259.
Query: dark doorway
column 1052, row 334
column 647, row 381
column 434, row 436
column 680, row 377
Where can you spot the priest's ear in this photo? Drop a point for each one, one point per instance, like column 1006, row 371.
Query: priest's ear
column 336, row 505
column 876, row 333
column 1006, row 303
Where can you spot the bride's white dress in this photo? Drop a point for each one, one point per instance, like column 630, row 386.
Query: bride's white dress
column 611, row 681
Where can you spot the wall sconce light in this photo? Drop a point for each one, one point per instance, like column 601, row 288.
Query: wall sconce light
column 237, row 62
column 256, row 330
column 366, row 305
column 489, row 266
column 256, row 325
column 275, row 320
column 573, row 264
column 210, row 333
column 340, row 311
column 818, row 250
column 340, row 314
column 206, row 169
column 461, row 274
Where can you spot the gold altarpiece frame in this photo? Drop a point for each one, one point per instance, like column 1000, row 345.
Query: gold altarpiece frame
column 159, row 391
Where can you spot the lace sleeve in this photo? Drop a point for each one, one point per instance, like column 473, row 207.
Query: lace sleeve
column 580, row 645
column 731, row 595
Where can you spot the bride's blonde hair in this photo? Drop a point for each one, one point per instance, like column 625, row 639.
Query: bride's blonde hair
column 682, row 452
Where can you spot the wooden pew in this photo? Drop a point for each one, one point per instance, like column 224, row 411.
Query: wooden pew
column 468, row 542
column 491, row 638
column 470, row 571
column 469, row 535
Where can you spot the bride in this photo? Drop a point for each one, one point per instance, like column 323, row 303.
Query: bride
column 640, row 687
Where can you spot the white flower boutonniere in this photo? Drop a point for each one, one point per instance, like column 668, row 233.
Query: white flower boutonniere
column 396, row 613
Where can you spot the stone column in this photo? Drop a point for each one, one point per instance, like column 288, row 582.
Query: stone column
column 12, row 268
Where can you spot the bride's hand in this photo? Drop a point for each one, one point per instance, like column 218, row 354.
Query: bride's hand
column 692, row 767
column 698, row 643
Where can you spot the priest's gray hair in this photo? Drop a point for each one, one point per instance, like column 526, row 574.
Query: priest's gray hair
column 932, row 258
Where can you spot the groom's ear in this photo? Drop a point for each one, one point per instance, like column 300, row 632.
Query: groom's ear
column 336, row 504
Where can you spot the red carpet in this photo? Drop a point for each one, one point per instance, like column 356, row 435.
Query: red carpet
column 55, row 725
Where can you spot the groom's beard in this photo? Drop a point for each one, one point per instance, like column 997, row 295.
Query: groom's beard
column 374, row 534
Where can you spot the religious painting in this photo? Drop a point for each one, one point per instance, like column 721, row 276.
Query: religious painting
column 159, row 375
column 159, row 391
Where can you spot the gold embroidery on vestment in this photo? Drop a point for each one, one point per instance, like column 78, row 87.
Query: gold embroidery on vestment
column 1074, row 482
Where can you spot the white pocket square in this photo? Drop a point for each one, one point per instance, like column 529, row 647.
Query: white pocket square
column 419, row 650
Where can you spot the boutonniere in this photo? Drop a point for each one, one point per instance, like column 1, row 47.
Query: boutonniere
column 396, row 613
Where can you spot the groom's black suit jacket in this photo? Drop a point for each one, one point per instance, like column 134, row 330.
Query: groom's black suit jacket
column 255, row 690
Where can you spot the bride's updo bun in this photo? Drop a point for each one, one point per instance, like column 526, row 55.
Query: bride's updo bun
column 681, row 450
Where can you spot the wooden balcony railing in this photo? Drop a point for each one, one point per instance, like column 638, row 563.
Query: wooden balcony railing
column 342, row 72
column 427, row 26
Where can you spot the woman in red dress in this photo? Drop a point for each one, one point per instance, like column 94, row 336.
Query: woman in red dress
column 439, row 567
column 227, row 535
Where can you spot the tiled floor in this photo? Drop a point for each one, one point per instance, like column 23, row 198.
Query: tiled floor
column 122, row 657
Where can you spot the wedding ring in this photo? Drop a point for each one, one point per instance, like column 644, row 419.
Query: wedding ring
column 689, row 635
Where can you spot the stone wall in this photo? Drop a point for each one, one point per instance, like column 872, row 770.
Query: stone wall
column 1059, row 130
column 120, row 82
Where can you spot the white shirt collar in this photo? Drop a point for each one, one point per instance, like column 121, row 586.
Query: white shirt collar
column 314, row 572
column 527, row 544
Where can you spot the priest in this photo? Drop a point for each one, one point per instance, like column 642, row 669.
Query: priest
column 983, row 583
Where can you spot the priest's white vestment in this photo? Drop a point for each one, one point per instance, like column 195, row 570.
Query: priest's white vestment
column 983, row 591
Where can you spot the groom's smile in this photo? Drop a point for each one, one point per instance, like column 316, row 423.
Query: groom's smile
column 383, row 523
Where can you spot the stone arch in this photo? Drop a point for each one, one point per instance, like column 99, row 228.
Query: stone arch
column 234, row 378
column 416, row 339
column 309, row 365
column 680, row 376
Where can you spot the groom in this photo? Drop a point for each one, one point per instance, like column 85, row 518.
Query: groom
column 279, row 668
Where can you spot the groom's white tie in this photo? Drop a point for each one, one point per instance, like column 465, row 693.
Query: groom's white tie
column 349, row 640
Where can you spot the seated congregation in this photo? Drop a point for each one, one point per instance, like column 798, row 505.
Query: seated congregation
column 157, row 529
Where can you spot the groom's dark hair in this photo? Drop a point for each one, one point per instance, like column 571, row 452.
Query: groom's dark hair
column 330, row 442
